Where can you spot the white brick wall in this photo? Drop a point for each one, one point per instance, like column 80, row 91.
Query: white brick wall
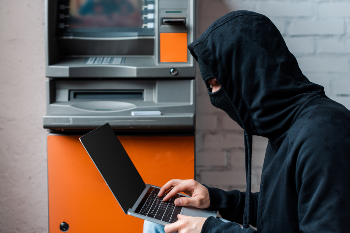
column 317, row 33
column 338, row 9
column 285, row 9
column 308, row 27
column 323, row 64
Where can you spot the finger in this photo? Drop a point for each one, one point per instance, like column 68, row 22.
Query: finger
column 186, row 201
column 178, row 188
column 182, row 217
column 174, row 227
column 167, row 186
column 167, row 191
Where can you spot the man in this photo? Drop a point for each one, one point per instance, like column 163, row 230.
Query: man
column 305, row 182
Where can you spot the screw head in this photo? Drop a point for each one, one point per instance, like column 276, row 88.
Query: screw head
column 173, row 71
column 64, row 226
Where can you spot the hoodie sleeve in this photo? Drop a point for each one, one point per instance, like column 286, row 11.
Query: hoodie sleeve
column 321, row 141
column 214, row 225
column 322, row 180
column 231, row 204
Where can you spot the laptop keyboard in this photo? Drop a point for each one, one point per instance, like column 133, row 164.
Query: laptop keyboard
column 153, row 206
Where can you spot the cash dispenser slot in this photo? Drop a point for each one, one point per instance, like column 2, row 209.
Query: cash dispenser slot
column 126, row 104
column 106, row 95
column 174, row 21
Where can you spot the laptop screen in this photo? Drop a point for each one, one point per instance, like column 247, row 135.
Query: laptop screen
column 114, row 164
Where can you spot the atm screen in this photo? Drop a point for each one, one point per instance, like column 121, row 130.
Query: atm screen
column 106, row 18
column 105, row 14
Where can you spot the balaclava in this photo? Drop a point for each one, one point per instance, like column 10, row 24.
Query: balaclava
column 218, row 99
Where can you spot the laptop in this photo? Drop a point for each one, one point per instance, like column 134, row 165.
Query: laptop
column 134, row 196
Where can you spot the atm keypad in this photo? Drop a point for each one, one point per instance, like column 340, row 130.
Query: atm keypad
column 104, row 60
column 98, row 61
column 91, row 60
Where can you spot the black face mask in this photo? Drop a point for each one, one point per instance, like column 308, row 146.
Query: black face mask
column 220, row 100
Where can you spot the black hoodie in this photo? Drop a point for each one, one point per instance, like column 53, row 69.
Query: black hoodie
column 305, row 182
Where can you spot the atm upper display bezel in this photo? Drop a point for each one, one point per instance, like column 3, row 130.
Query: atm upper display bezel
column 65, row 31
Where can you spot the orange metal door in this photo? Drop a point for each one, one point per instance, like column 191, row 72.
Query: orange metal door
column 79, row 196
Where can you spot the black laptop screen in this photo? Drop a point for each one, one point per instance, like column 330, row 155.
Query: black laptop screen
column 114, row 164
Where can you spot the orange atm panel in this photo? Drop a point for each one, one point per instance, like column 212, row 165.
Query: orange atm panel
column 79, row 196
column 173, row 47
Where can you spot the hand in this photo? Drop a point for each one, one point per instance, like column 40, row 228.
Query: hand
column 186, row 224
column 199, row 193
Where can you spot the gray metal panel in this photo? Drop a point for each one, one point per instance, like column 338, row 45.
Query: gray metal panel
column 113, row 47
column 174, row 121
column 102, row 71
column 166, row 4
column 51, row 50
column 133, row 67
column 175, row 104
column 190, row 22
column 170, row 90
column 174, row 97
column 65, row 58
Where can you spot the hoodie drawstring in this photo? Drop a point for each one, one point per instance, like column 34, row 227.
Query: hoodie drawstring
column 248, row 167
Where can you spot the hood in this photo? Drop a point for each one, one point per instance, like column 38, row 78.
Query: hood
column 247, row 55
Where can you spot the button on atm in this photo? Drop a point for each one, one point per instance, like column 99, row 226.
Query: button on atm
column 126, row 63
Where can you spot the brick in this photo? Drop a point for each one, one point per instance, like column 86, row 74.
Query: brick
column 224, row 178
column 280, row 25
column 256, row 177
column 206, row 122
column 347, row 45
column 258, row 157
column 323, row 64
column 306, row 27
column 198, row 141
column 342, row 88
column 223, row 141
column 237, row 158
column 204, row 23
column 210, row 8
column 200, row 85
column 259, row 142
column 229, row 124
column 331, row 46
column 213, row 9
column 300, row 45
column 285, row 9
column 239, row 5
column 334, row 9
column 211, row 158
column 255, row 188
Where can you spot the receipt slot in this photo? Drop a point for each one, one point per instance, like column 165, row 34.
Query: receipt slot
column 126, row 63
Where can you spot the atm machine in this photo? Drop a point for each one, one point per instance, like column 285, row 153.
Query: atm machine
column 124, row 62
